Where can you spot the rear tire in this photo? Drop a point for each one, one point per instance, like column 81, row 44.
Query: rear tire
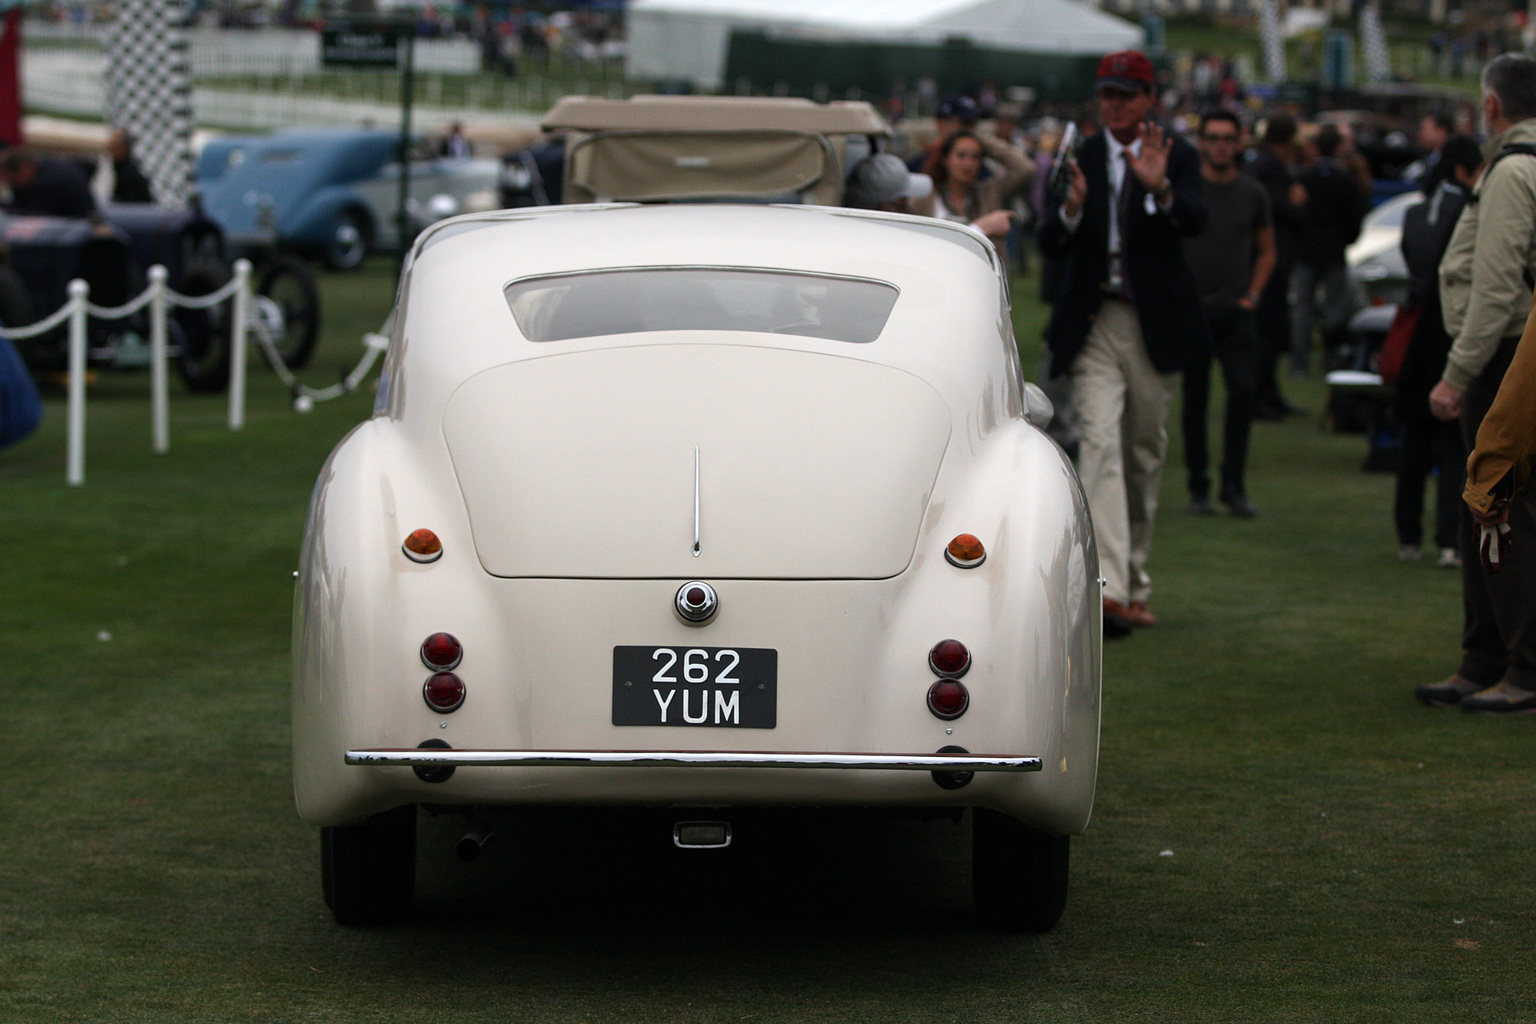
column 368, row 871
column 1018, row 875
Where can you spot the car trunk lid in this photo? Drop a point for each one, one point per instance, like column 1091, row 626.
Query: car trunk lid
column 610, row 463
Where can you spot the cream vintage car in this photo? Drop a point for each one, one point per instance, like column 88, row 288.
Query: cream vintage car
column 699, row 509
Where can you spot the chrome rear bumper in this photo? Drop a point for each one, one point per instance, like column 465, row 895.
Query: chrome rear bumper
column 419, row 757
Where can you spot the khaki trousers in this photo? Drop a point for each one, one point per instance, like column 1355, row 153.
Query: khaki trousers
column 1122, row 407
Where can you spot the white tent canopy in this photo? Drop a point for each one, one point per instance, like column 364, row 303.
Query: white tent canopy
column 688, row 39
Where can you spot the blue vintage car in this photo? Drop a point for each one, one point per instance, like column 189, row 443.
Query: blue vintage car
column 334, row 192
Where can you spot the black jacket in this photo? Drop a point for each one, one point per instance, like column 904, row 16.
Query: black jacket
column 60, row 189
column 1330, row 222
column 1277, row 178
column 129, row 183
column 1167, row 300
column 1427, row 228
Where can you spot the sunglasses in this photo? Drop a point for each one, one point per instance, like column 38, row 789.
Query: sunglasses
column 1219, row 138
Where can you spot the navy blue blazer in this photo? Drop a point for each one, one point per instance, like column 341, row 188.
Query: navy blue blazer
column 1167, row 300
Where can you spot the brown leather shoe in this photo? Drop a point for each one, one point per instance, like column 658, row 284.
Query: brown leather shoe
column 1137, row 613
column 1447, row 693
column 1116, row 625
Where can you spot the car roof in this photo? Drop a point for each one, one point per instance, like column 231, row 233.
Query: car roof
column 945, row 327
column 691, row 234
column 716, row 113
column 1392, row 210
column 315, row 137
column 317, row 154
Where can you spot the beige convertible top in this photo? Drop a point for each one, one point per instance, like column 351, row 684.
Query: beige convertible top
column 671, row 148
column 716, row 113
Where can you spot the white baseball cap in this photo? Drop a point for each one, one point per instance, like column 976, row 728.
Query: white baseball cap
column 883, row 178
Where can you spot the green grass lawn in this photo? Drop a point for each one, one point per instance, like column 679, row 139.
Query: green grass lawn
column 1281, row 834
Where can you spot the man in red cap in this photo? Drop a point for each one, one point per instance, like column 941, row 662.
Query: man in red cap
column 1125, row 318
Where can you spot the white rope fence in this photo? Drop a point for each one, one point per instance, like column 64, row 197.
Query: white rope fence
column 158, row 296
column 304, row 398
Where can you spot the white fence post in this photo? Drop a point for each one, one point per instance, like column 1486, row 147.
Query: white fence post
column 158, row 387
column 237, row 344
column 74, row 468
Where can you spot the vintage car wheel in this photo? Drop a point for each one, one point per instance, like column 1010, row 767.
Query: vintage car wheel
column 203, row 357
column 1019, row 875
column 348, row 242
column 368, row 871
column 15, row 300
column 291, row 287
column 16, row 311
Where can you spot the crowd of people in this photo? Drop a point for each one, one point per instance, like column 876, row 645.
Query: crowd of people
column 1164, row 254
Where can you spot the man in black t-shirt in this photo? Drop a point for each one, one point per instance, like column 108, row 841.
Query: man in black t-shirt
column 1232, row 259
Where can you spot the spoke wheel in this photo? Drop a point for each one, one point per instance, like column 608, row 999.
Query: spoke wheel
column 368, row 871
column 1019, row 875
column 293, row 314
column 348, row 242
column 203, row 358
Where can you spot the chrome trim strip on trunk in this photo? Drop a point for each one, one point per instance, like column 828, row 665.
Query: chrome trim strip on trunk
column 696, row 549
column 417, row 757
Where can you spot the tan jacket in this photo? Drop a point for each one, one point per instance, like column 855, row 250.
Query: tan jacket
column 1483, row 286
column 990, row 193
column 1507, row 439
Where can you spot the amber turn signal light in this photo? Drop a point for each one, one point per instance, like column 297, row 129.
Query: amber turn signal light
column 423, row 546
column 966, row 551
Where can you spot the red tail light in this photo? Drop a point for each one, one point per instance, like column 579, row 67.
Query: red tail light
column 949, row 658
column 441, row 651
column 444, row 692
column 948, row 698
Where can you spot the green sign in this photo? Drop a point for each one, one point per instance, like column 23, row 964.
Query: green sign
column 357, row 44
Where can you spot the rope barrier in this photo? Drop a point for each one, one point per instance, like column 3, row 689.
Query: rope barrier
column 157, row 296
column 304, row 397
column 42, row 326
column 204, row 301
column 127, row 309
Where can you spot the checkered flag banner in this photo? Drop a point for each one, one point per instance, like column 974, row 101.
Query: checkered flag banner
column 149, row 92
column 1378, row 68
column 1272, row 41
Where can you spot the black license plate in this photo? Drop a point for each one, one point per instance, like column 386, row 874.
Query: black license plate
column 720, row 687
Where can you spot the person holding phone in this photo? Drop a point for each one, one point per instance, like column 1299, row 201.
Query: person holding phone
column 1126, row 316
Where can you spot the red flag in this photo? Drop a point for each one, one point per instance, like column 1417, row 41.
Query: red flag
column 10, row 77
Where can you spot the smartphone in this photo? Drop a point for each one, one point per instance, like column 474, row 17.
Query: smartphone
column 1066, row 156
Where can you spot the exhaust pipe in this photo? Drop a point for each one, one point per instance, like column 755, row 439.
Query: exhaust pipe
column 468, row 848
column 953, row 780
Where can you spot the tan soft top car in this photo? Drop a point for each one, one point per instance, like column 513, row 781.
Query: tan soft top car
column 667, row 148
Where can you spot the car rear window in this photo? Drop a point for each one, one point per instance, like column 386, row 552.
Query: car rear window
column 700, row 299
